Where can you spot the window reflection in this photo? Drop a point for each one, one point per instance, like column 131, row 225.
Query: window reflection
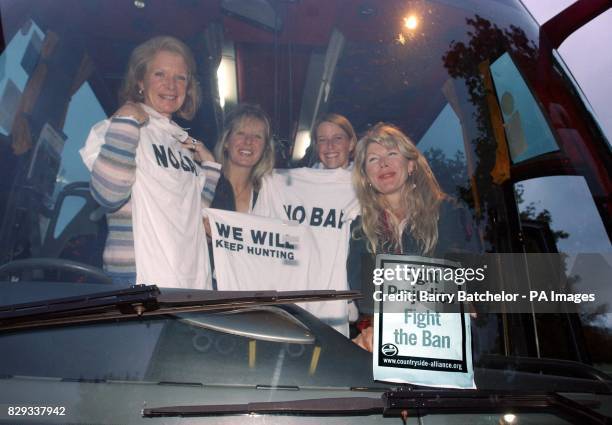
column 551, row 201
column 69, row 209
column 527, row 132
column 15, row 64
column 444, row 148
column 84, row 111
column 557, row 214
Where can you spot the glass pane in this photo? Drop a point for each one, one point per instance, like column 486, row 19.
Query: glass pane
column 527, row 132
column 16, row 63
column 443, row 145
column 550, row 223
column 84, row 111
column 552, row 201
column 422, row 66
column 69, row 209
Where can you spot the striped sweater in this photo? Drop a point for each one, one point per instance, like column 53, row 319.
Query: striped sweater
column 113, row 174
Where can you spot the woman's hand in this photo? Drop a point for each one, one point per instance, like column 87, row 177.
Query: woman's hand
column 365, row 339
column 134, row 110
column 207, row 229
column 200, row 152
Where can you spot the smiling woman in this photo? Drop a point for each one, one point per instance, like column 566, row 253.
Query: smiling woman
column 403, row 210
column 474, row 85
column 335, row 140
column 149, row 176
column 164, row 85
column 161, row 74
column 399, row 195
column 246, row 151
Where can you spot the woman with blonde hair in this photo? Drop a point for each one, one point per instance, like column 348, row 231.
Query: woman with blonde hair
column 246, row 152
column 150, row 175
column 399, row 195
column 334, row 142
column 403, row 209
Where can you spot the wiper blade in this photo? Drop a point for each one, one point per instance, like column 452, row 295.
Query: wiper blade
column 353, row 406
column 545, row 366
column 402, row 403
column 133, row 300
column 142, row 300
column 406, row 402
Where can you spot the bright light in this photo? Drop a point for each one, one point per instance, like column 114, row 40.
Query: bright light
column 302, row 141
column 509, row 418
column 226, row 78
column 222, row 81
column 139, row 4
column 411, row 22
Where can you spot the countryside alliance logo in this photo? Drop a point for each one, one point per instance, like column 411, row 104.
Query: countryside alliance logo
column 389, row 350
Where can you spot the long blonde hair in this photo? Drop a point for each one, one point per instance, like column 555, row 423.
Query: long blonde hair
column 233, row 121
column 421, row 196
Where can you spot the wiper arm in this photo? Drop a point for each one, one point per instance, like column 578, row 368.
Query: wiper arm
column 406, row 402
column 134, row 300
column 546, row 366
column 141, row 300
column 403, row 404
column 353, row 406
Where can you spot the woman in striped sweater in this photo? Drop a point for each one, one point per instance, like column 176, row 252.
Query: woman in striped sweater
column 151, row 176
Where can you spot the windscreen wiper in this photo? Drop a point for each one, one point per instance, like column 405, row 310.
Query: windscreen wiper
column 403, row 404
column 142, row 300
column 545, row 366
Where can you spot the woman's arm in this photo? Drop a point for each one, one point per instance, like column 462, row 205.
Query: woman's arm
column 212, row 170
column 114, row 170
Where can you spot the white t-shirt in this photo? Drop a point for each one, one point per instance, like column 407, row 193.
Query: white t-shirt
column 325, row 201
column 258, row 253
column 169, row 239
